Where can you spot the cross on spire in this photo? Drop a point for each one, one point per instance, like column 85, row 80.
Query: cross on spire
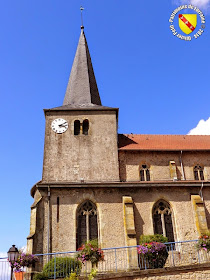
column 82, row 9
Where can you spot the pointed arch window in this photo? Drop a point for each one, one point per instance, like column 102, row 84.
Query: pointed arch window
column 198, row 173
column 87, row 224
column 162, row 220
column 76, row 127
column 85, row 127
column 144, row 173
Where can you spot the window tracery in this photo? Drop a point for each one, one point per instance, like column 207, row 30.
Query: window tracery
column 198, row 173
column 87, row 225
column 144, row 173
column 162, row 220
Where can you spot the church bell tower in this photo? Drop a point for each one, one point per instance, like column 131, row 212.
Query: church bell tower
column 80, row 156
column 81, row 135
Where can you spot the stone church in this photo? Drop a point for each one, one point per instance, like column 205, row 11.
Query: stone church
column 97, row 183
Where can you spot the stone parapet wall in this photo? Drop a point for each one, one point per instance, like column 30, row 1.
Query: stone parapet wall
column 195, row 272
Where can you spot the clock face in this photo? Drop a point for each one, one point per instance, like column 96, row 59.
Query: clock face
column 59, row 125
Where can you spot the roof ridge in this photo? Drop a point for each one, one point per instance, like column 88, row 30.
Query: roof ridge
column 184, row 135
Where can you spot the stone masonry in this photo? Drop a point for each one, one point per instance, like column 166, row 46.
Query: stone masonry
column 123, row 176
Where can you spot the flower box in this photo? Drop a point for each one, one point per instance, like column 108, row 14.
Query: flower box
column 152, row 255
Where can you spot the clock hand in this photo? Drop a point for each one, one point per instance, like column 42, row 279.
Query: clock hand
column 62, row 125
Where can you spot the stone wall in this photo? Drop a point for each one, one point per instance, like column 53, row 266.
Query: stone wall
column 109, row 202
column 92, row 157
column 193, row 272
column 158, row 163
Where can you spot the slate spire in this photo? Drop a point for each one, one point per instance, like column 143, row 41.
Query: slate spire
column 82, row 87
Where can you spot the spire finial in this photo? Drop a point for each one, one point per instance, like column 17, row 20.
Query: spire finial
column 82, row 9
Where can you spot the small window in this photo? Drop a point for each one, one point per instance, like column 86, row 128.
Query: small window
column 144, row 173
column 76, row 127
column 142, row 178
column 85, row 127
column 147, row 175
column 58, row 204
column 198, row 173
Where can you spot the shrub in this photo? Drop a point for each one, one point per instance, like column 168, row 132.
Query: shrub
column 93, row 243
column 92, row 274
column 40, row 276
column 153, row 238
column 72, row 276
column 63, row 266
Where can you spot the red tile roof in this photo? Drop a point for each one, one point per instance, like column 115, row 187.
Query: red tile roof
column 163, row 142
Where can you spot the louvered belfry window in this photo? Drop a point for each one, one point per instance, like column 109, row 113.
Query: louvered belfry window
column 87, row 225
column 162, row 220
column 198, row 173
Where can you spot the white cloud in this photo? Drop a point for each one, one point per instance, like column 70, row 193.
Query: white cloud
column 202, row 4
column 202, row 128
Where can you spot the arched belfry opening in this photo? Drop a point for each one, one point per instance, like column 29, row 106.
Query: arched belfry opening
column 163, row 219
column 76, row 127
column 87, row 222
column 85, row 127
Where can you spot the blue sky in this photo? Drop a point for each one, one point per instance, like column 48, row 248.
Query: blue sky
column 160, row 83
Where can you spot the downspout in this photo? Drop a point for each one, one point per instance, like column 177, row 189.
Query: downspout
column 48, row 222
column 182, row 167
column 201, row 191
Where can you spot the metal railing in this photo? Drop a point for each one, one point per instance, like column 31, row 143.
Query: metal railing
column 185, row 253
column 119, row 259
column 5, row 270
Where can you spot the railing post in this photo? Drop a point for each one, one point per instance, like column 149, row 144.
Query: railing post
column 86, row 269
column 55, row 267
column 115, row 252
column 11, row 276
column 199, row 257
column 145, row 264
column 172, row 254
